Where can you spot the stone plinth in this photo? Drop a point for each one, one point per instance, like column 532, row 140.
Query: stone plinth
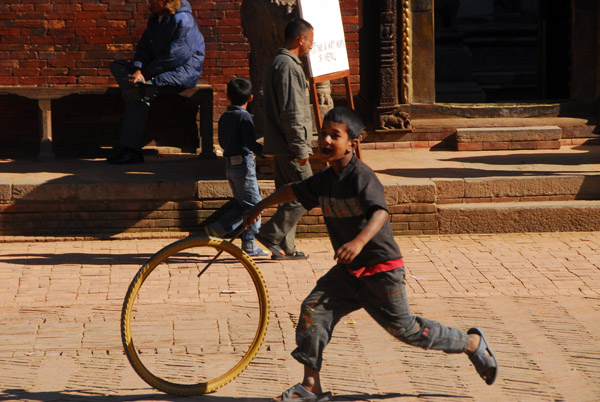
column 496, row 138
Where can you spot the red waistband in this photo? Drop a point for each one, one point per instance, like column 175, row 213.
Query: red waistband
column 376, row 268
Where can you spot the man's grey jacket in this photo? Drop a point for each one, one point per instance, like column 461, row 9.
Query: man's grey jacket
column 288, row 122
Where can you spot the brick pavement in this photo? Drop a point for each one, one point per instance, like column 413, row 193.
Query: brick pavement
column 536, row 295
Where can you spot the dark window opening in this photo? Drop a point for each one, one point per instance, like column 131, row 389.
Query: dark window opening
column 489, row 51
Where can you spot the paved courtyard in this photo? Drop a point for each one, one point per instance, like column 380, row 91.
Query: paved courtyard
column 536, row 295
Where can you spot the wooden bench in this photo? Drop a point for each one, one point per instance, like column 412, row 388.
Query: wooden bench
column 202, row 95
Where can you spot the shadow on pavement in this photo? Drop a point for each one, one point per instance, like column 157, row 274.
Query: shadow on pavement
column 508, row 165
column 98, row 259
column 20, row 394
column 87, row 396
column 376, row 397
column 75, row 258
column 169, row 166
column 459, row 173
column 85, row 193
column 564, row 159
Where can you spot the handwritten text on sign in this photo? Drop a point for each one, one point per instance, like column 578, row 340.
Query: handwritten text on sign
column 328, row 54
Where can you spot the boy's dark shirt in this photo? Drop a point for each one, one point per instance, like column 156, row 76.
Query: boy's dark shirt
column 348, row 199
column 236, row 132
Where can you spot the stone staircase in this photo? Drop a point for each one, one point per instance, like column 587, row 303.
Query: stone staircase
column 428, row 192
column 545, row 203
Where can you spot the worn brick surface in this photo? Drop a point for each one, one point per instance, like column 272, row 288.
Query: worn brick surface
column 536, row 296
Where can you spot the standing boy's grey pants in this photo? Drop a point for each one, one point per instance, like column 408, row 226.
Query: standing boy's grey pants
column 383, row 296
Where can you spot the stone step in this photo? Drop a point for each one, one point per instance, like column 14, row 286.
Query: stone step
column 516, row 189
column 550, row 202
column 502, row 138
column 515, row 217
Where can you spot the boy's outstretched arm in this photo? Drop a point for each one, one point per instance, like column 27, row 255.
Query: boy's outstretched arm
column 347, row 252
column 281, row 196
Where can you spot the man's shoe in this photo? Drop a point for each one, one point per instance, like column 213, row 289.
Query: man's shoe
column 128, row 156
column 298, row 255
column 275, row 249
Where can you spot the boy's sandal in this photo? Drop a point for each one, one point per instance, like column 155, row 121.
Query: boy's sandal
column 258, row 252
column 298, row 255
column 298, row 393
column 210, row 231
column 275, row 249
column 483, row 358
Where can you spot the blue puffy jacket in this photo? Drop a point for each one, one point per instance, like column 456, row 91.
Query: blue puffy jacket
column 171, row 51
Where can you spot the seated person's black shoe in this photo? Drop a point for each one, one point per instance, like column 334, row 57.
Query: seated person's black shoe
column 126, row 157
column 115, row 153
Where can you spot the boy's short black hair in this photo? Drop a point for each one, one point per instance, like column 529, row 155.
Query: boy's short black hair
column 349, row 117
column 239, row 91
column 296, row 28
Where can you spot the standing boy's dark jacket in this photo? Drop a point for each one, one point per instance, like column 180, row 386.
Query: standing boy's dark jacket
column 171, row 51
column 288, row 120
column 236, row 132
column 347, row 200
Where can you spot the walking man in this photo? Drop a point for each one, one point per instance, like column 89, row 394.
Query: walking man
column 288, row 135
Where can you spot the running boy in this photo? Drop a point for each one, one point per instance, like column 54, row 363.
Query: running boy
column 238, row 140
column 369, row 272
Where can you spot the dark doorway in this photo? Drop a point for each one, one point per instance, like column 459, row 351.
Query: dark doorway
column 555, row 49
column 490, row 51
column 369, row 53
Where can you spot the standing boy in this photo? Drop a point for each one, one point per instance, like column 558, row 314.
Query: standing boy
column 369, row 272
column 238, row 140
column 288, row 135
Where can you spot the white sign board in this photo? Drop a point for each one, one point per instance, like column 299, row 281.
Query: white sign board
column 328, row 54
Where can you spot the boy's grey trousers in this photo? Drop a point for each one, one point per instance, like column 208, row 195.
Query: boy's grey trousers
column 383, row 296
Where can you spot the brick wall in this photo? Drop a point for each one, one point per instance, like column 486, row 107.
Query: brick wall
column 72, row 42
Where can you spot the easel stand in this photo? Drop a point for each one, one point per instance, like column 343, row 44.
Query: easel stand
column 315, row 100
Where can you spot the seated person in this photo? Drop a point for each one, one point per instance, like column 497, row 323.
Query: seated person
column 168, row 59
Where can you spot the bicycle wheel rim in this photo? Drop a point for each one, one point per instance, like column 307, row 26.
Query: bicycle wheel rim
column 211, row 385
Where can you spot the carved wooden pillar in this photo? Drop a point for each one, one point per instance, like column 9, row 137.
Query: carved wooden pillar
column 387, row 79
column 423, row 51
column 406, row 92
column 394, row 77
